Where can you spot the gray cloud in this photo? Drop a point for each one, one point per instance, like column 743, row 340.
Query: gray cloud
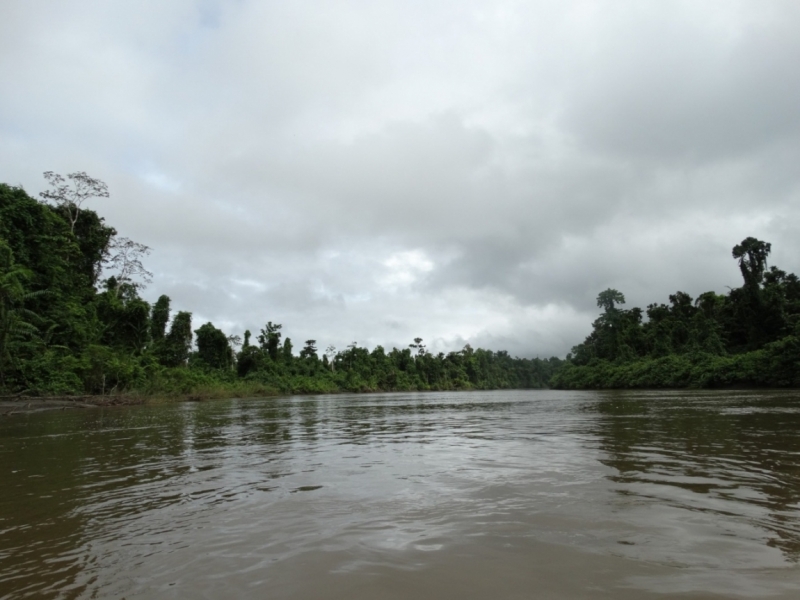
column 463, row 171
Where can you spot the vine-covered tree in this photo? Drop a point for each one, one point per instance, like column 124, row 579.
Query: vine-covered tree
column 286, row 352
column 213, row 348
column 159, row 318
column 752, row 255
column 178, row 342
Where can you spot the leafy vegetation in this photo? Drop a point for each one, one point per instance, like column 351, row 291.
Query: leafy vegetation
column 72, row 322
column 749, row 337
column 66, row 330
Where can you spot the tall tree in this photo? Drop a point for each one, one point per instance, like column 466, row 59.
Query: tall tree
column 126, row 259
column 178, row 341
column 608, row 298
column 69, row 197
column 418, row 346
column 749, row 321
column 213, row 347
column 287, row 355
column 309, row 350
column 329, row 358
column 270, row 340
column 159, row 318
column 752, row 255
column 125, row 318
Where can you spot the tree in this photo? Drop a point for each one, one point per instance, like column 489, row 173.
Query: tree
column 125, row 318
column 70, row 197
column 752, row 255
column 127, row 259
column 270, row 340
column 213, row 347
column 159, row 318
column 309, row 350
column 287, row 351
column 250, row 358
column 607, row 299
column 178, row 341
column 61, row 262
column 751, row 321
column 418, row 346
column 329, row 356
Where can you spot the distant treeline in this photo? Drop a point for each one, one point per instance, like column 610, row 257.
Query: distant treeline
column 66, row 329
column 748, row 337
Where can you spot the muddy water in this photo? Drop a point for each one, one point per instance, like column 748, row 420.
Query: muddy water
column 462, row 495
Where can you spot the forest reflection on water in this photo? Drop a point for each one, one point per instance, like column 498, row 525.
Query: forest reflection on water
column 453, row 494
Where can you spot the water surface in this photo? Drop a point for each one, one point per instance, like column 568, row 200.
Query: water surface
column 518, row 494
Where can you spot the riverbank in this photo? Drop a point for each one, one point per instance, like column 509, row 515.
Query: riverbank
column 17, row 405
column 27, row 404
column 30, row 404
column 774, row 366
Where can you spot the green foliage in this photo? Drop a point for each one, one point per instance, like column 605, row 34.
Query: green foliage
column 250, row 359
column 747, row 338
column 752, row 255
column 270, row 340
column 60, row 334
column 62, row 263
column 159, row 318
column 125, row 318
column 309, row 351
column 63, row 330
column 174, row 351
column 15, row 326
column 213, row 349
column 607, row 299
column 286, row 352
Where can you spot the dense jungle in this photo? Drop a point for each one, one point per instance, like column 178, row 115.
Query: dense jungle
column 749, row 337
column 73, row 322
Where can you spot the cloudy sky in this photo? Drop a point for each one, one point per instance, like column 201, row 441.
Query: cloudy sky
column 464, row 171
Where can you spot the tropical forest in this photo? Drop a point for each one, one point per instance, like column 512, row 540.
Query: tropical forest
column 73, row 323
column 749, row 337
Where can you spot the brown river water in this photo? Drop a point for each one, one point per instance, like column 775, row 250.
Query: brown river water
column 514, row 494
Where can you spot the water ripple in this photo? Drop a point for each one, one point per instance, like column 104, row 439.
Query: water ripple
column 172, row 500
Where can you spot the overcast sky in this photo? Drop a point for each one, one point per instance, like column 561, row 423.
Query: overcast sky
column 459, row 170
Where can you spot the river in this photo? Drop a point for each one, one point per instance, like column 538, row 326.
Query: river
column 509, row 494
